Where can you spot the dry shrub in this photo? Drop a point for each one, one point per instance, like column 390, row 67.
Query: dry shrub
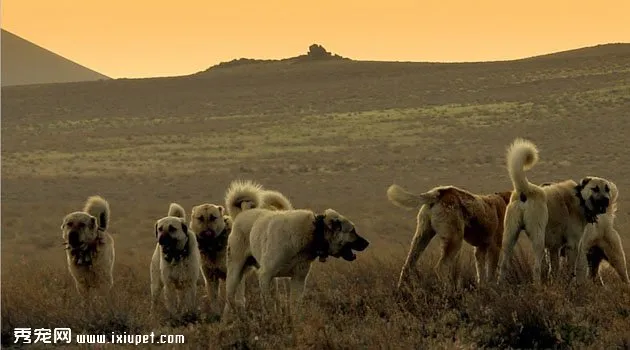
column 347, row 306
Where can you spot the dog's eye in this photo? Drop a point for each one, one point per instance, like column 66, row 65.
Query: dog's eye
column 200, row 218
column 606, row 188
column 595, row 189
column 212, row 217
column 81, row 225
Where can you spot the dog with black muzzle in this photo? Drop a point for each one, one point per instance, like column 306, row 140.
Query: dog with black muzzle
column 89, row 247
column 600, row 241
column 211, row 227
column 175, row 265
column 554, row 215
column 284, row 244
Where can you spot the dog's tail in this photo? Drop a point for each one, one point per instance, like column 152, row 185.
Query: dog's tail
column 404, row 199
column 275, row 200
column 98, row 207
column 242, row 195
column 522, row 155
column 176, row 210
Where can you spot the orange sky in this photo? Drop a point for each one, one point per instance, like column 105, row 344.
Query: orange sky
column 142, row 38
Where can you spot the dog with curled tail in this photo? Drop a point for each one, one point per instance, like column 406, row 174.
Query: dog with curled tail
column 89, row 247
column 175, row 265
column 554, row 215
column 284, row 244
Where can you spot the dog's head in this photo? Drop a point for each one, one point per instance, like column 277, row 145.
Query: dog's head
column 596, row 194
column 79, row 229
column 207, row 220
column 341, row 236
column 171, row 233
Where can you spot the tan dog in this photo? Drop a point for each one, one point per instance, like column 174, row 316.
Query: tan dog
column 284, row 244
column 602, row 242
column 247, row 194
column 454, row 215
column 89, row 247
column 211, row 227
column 554, row 216
column 175, row 265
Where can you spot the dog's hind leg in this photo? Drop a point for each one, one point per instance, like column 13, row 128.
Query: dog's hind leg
column 265, row 280
column 536, row 223
column 451, row 234
column 233, row 282
column 421, row 239
column 551, row 271
column 492, row 261
column 481, row 255
column 512, row 229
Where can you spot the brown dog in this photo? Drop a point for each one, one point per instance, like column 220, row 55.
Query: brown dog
column 211, row 227
column 89, row 248
column 454, row 215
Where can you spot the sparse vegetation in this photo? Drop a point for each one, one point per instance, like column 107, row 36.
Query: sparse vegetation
column 335, row 134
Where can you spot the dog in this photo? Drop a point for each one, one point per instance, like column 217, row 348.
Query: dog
column 601, row 242
column 247, row 194
column 553, row 216
column 454, row 215
column 175, row 265
column 89, row 247
column 211, row 227
column 284, row 244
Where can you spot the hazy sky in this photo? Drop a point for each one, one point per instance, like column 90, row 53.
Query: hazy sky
column 141, row 38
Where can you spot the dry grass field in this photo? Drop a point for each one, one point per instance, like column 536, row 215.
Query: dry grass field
column 327, row 134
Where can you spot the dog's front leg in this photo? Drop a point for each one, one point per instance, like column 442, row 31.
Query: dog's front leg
column 613, row 249
column 189, row 300
column 170, row 299
column 297, row 285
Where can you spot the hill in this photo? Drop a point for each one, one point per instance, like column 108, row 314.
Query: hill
column 26, row 63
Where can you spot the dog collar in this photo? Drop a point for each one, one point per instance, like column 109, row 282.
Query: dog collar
column 319, row 247
column 84, row 256
column 171, row 256
column 211, row 246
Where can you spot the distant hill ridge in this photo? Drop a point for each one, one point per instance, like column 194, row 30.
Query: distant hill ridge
column 25, row 63
column 318, row 53
column 315, row 52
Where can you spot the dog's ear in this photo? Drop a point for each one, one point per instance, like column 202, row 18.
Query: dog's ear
column 221, row 210
column 585, row 181
column 63, row 223
column 184, row 227
column 156, row 233
column 193, row 211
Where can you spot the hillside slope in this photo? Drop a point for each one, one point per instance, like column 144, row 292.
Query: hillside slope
column 26, row 63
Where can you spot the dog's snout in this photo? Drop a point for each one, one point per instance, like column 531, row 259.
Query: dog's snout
column 606, row 201
column 73, row 238
column 360, row 244
column 164, row 239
